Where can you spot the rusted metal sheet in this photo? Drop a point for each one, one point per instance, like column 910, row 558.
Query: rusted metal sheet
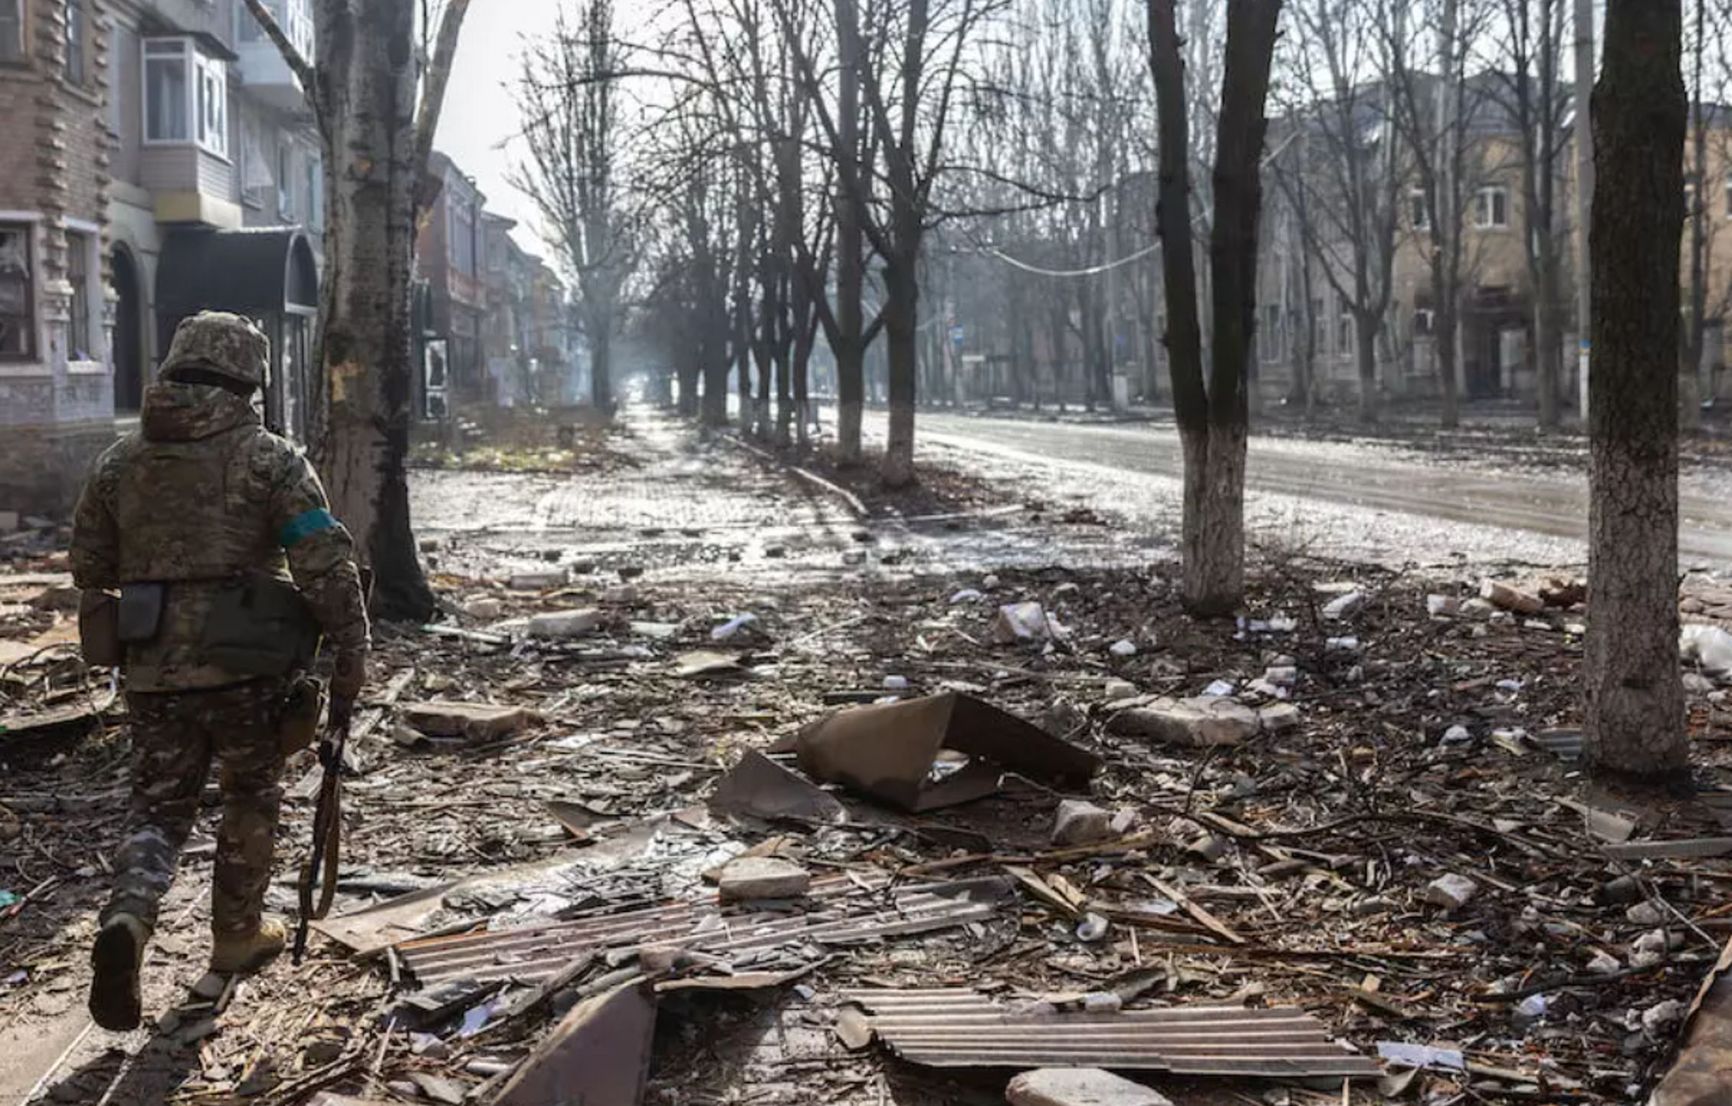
column 847, row 911
column 887, row 751
column 760, row 787
column 960, row 1028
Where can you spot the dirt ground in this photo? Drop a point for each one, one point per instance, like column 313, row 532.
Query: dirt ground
column 1294, row 868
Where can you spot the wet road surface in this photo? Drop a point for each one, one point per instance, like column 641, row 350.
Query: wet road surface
column 1354, row 498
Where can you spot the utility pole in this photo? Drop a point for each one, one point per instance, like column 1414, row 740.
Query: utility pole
column 1584, row 135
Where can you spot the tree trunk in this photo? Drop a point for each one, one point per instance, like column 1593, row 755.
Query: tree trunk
column 1212, row 421
column 1696, row 309
column 901, row 344
column 1365, row 356
column 1444, row 353
column 601, row 361
column 1213, row 527
column 1635, row 715
column 367, row 85
column 1548, row 344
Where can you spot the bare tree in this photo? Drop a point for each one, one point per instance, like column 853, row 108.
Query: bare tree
column 1347, row 165
column 1635, row 708
column 376, row 111
column 1435, row 116
column 1213, row 417
column 568, row 94
column 1528, row 84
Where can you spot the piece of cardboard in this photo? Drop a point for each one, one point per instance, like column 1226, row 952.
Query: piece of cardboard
column 887, row 751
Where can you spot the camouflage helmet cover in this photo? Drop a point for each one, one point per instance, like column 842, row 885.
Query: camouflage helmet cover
column 222, row 342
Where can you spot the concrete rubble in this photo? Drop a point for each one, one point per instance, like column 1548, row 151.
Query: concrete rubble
column 762, row 877
column 1199, row 722
column 1079, row 1087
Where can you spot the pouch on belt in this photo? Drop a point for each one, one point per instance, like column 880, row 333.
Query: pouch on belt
column 260, row 626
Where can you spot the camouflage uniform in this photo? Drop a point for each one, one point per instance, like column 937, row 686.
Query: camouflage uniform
column 200, row 497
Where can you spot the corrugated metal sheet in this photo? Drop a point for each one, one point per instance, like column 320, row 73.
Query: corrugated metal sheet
column 846, row 911
column 960, row 1028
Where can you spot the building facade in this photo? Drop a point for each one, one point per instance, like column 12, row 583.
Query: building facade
column 450, row 252
column 218, row 200
column 56, row 311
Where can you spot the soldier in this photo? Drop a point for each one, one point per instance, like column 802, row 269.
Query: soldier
column 229, row 565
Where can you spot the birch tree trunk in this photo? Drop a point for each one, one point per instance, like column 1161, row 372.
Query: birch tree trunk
column 1213, row 420
column 1635, row 712
column 376, row 114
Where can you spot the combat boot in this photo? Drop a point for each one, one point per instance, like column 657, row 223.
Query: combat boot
column 248, row 953
column 115, row 962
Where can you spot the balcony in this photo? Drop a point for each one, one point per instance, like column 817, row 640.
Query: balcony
column 262, row 70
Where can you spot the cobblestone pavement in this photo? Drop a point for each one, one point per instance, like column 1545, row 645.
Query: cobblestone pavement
column 692, row 506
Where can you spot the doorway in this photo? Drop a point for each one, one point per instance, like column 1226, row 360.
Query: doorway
column 128, row 332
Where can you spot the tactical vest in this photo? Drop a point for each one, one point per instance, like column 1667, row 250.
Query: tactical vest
column 198, row 510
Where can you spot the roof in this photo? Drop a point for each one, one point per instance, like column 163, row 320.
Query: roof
column 250, row 271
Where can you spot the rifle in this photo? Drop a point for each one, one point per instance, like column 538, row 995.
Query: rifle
column 327, row 816
column 327, row 834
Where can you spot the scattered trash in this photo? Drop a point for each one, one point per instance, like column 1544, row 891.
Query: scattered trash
column 1079, row 822
column 1341, row 645
column 896, row 683
column 888, row 751
column 1026, row 621
column 1092, row 928
column 760, row 787
column 475, row 721
column 1219, row 689
column 1344, row 606
column 1442, row 606
column 732, row 627
column 1534, row 1006
column 1508, row 598
column 1451, row 891
column 1422, row 1056
column 566, row 624
column 1456, row 736
column 707, row 662
column 1708, row 646
column 1202, row 721
column 539, row 581
column 1123, row 648
column 967, row 595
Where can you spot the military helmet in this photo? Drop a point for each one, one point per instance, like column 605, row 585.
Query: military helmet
column 227, row 344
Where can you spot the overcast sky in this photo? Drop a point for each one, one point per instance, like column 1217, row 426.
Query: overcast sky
column 479, row 113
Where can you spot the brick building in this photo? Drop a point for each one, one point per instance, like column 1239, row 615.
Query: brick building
column 56, row 393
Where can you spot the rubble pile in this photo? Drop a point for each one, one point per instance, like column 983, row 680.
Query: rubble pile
column 903, row 838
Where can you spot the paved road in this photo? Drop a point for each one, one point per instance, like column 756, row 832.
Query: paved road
column 1475, row 505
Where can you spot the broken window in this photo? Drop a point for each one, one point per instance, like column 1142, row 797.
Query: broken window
column 17, row 300
column 78, row 271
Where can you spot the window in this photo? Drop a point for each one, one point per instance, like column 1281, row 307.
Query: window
column 461, row 228
column 1344, row 334
column 1420, row 211
column 1269, row 333
column 78, row 275
column 17, row 306
column 294, row 18
column 12, row 30
column 285, row 181
column 1491, row 208
column 185, row 96
column 1424, row 319
column 75, row 33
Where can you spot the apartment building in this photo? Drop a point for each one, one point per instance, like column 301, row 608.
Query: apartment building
column 525, row 334
column 56, row 312
column 1495, row 340
column 449, row 252
column 218, row 194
